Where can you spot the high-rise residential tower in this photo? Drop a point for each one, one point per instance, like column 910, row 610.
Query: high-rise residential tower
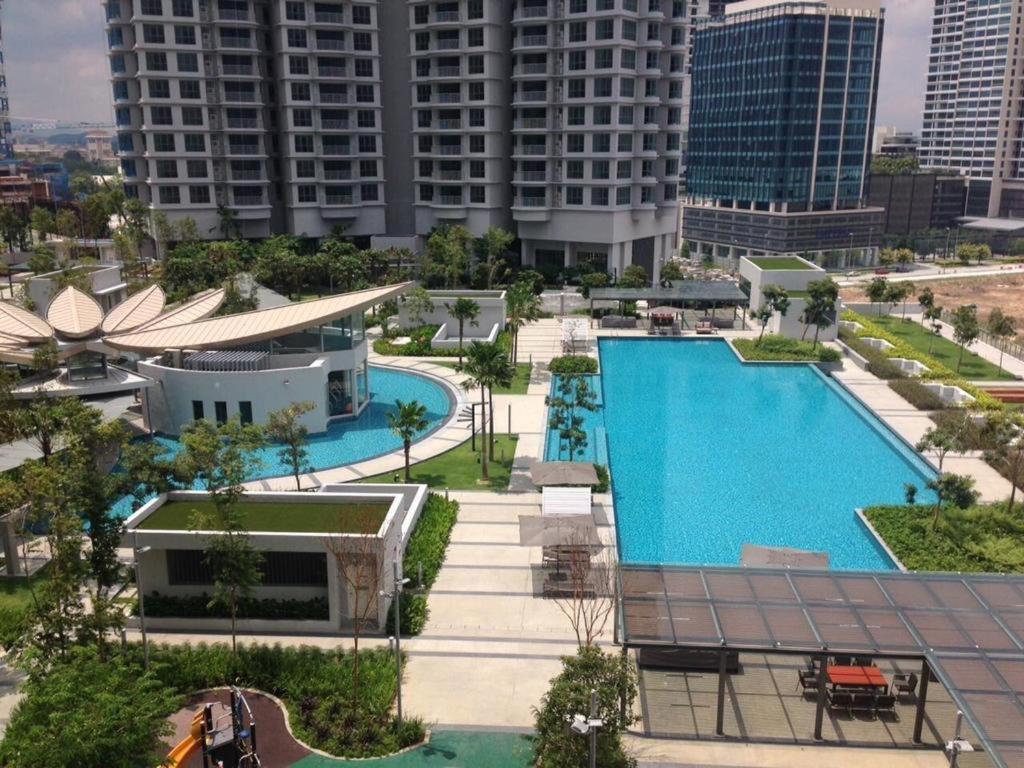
column 563, row 120
column 6, row 133
column 973, row 102
column 781, row 124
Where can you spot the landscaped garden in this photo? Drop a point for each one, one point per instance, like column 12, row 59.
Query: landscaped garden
column 782, row 349
column 520, row 382
column 459, row 468
column 271, row 517
column 779, row 262
column 973, row 367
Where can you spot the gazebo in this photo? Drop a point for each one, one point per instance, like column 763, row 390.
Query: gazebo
column 681, row 294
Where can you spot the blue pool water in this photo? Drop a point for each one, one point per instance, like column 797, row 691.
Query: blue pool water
column 708, row 454
column 349, row 441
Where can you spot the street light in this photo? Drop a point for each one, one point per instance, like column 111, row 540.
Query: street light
column 958, row 744
column 588, row 726
column 395, row 641
column 136, row 552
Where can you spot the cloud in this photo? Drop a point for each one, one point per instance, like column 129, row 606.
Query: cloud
column 57, row 66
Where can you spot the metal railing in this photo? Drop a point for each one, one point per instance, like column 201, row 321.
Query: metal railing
column 1004, row 344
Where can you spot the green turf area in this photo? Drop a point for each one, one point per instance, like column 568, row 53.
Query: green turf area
column 459, row 468
column 452, row 749
column 14, row 592
column 974, row 368
column 780, row 349
column 274, row 517
column 520, row 383
column 981, row 539
column 769, row 264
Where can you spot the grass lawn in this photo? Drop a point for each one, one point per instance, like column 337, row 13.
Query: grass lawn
column 974, row 368
column 14, row 592
column 459, row 468
column 274, row 517
column 775, row 263
column 520, row 383
column 779, row 349
column 983, row 538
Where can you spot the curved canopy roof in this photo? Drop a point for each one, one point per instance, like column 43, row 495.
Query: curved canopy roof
column 22, row 324
column 74, row 313
column 199, row 307
column 135, row 311
column 249, row 327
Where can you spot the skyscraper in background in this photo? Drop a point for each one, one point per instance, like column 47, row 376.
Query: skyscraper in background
column 973, row 102
column 781, row 123
column 563, row 120
column 6, row 140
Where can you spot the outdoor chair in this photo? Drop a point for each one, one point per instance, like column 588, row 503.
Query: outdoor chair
column 840, row 699
column 842, row 661
column 904, row 685
column 886, row 702
column 808, row 680
column 863, row 661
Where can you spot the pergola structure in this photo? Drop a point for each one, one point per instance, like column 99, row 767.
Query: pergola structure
column 966, row 630
column 695, row 294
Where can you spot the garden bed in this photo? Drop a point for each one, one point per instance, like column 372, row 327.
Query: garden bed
column 984, row 538
column 783, row 350
column 419, row 343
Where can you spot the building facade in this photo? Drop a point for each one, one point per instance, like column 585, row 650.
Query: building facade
column 564, row 121
column 973, row 102
column 918, row 201
column 6, row 131
column 781, row 125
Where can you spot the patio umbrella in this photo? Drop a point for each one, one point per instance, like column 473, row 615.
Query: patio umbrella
column 536, row 531
column 754, row 556
column 563, row 473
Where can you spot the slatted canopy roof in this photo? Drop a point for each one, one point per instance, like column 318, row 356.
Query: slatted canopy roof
column 199, row 307
column 251, row 327
column 722, row 292
column 969, row 628
column 135, row 311
column 74, row 313
column 22, row 324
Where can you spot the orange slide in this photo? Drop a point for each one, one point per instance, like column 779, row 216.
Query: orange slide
column 189, row 745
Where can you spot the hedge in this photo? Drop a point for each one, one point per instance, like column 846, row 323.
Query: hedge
column 198, row 607
column 914, row 392
column 427, row 547
column 419, row 344
column 775, row 348
column 878, row 363
column 316, row 686
column 573, row 365
column 937, row 371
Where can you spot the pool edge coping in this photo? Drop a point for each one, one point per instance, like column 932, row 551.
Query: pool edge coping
column 879, row 540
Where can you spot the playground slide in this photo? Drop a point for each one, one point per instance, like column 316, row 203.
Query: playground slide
column 187, row 746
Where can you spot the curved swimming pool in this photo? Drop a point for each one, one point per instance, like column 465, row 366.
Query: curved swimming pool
column 349, row 441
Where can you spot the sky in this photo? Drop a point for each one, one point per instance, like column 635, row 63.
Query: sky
column 57, row 68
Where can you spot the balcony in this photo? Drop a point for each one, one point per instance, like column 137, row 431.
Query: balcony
column 334, row 150
column 237, row 69
column 337, row 175
column 334, row 125
column 531, row 176
column 233, row 14
column 532, row 96
column 339, row 200
column 450, row 175
column 328, row 17
column 334, row 98
column 246, row 175
column 531, row 41
column 331, row 72
column 240, row 97
column 532, row 12
column 534, row 68
column 532, row 149
column 450, row 149
column 248, row 201
column 446, row 44
column 451, row 199
column 446, row 17
column 330, row 45
column 243, row 122
column 449, row 98
column 450, row 125
column 531, row 202
column 448, row 71
column 243, row 149
column 532, row 123
column 236, row 42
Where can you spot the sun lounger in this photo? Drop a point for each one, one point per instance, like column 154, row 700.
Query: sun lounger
column 705, row 327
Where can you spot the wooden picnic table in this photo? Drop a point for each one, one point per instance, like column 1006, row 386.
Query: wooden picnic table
column 857, row 677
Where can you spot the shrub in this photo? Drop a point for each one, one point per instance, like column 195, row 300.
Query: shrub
column 573, row 365
column 878, row 363
column 604, row 480
column 917, row 394
column 427, row 547
column 776, row 348
column 419, row 343
column 198, row 607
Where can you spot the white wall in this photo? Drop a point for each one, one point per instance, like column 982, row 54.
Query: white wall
column 791, row 327
column 492, row 312
column 790, row 279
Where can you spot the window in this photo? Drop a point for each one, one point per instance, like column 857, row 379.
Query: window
column 220, row 409
column 188, row 62
column 574, row 169
column 604, row 29
column 574, row 195
column 361, row 14
column 476, row 65
column 156, row 61
column 195, row 142
column 625, row 142
column 475, row 9
column 599, row 169
column 295, row 11
column 364, row 67
column 477, row 194
column 422, row 14
column 199, row 195
column 159, row 89
column 671, row 192
column 576, row 115
column 577, row 6
column 301, row 92
column 624, row 169
column 161, row 116
column 195, row 169
column 170, row 196
column 128, row 167
column 367, row 144
column 475, row 37
column 603, row 58
column 627, row 87
column 120, row 90
column 476, row 118
column 298, row 65
column 305, row 169
column 153, row 33
column 477, row 144
column 623, row 195
column 577, row 89
column 602, row 115
column 302, row 118
column 367, row 169
column 476, row 169
column 166, row 169
column 476, row 91
column 625, row 115
column 599, row 196
column 245, row 411
column 189, row 89
column 577, row 60
column 181, row 8
column 368, row 192
column 304, row 143
column 577, row 31
column 152, row 7
column 629, row 29
column 627, row 59
column 602, row 142
column 185, row 35
column 297, row 38
column 365, row 94
column 426, row 192
column 163, row 142
column 574, row 142
column 306, row 193
column 361, row 41
column 197, row 410
column 602, row 87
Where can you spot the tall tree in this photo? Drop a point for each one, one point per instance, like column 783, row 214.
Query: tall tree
column 965, row 329
column 933, row 317
column 495, row 242
column 774, row 300
column 876, row 291
column 1006, row 429
column 895, row 293
column 821, row 306
column 953, row 490
column 488, row 367
column 523, row 306
column 1001, row 327
column 464, row 310
column 285, row 428
column 43, row 222
column 406, row 422
column 447, row 254
column 418, row 303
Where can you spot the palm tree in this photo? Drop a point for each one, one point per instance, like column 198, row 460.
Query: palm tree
column 407, row 421
column 488, row 366
column 523, row 306
column 462, row 310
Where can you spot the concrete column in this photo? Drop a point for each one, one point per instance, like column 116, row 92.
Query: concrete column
column 336, row 597
column 10, row 546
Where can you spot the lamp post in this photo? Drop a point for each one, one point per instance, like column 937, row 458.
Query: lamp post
column 958, row 744
column 396, row 640
column 588, row 726
column 136, row 552
column 849, row 253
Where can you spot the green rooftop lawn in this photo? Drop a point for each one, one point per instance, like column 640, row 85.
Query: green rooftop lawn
column 974, row 368
column 520, row 383
column 459, row 468
column 783, row 262
column 276, row 517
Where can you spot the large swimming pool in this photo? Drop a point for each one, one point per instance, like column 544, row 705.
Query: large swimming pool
column 708, row 454
column 354, row 440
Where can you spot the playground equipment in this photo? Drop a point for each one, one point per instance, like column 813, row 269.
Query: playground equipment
column 227, row 741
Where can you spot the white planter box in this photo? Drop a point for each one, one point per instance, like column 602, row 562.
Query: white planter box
column 849, row 325
column 881, row 344
column 949, row 394
column 910, row 367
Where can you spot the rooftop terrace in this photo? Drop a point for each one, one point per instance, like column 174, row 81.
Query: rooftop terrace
column 277, row 516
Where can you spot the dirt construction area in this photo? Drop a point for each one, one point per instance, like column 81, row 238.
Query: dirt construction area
column 1007, row 293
